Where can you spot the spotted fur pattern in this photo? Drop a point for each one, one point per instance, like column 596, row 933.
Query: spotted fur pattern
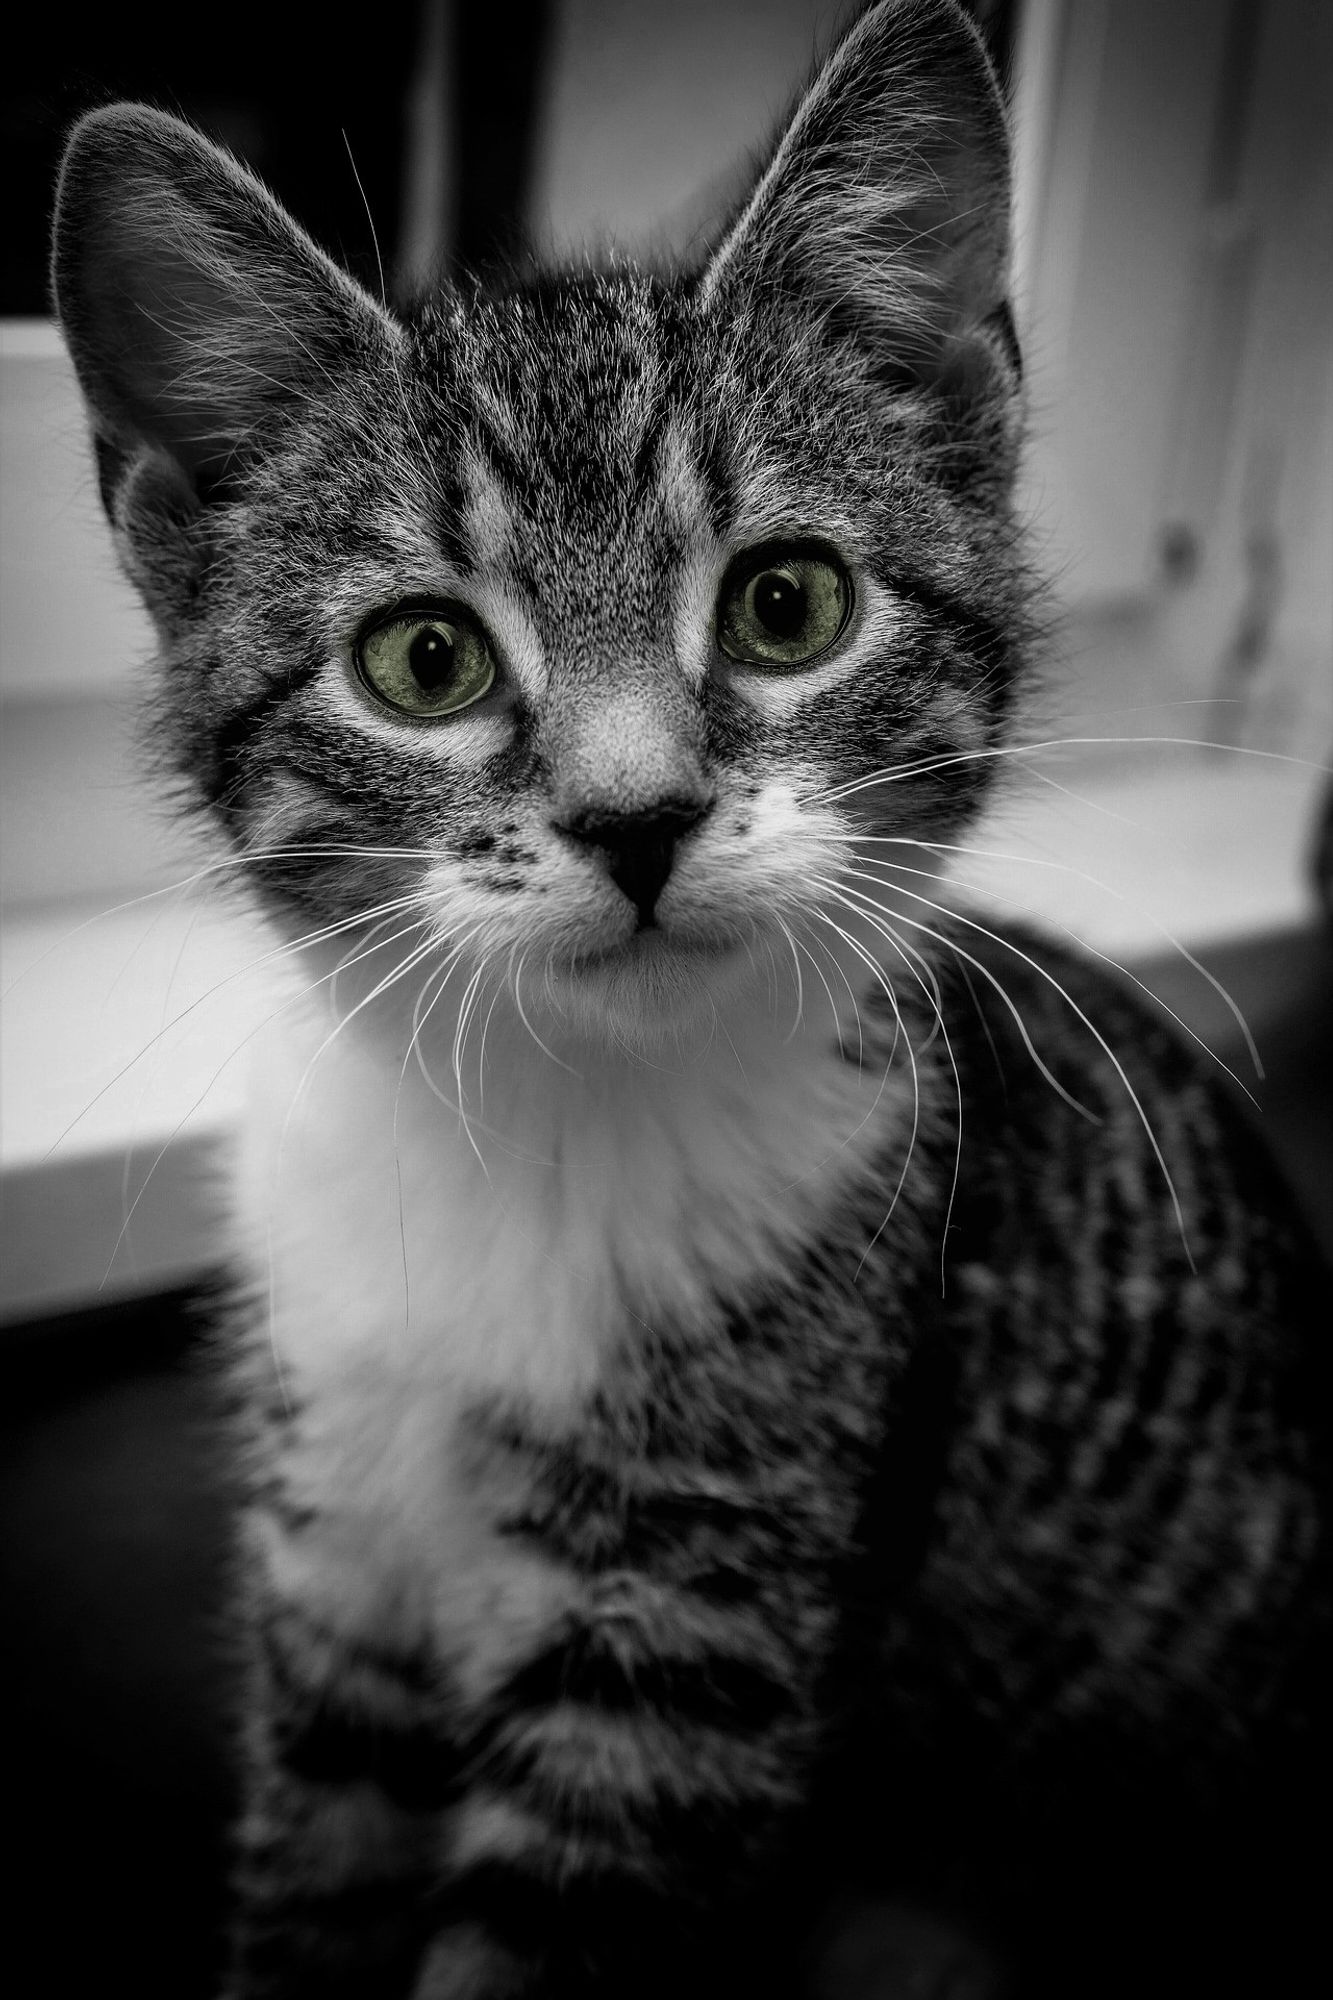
column 768, row 1400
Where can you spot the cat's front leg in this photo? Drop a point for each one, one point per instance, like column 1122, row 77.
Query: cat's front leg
column 348, row 1768
column 622, row 1767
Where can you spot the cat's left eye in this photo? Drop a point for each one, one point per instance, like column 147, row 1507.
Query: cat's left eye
column 782, row 607
column 425, row 662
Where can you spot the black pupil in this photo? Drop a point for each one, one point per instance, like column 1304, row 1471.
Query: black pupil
column 779, row 603
column 431, row 658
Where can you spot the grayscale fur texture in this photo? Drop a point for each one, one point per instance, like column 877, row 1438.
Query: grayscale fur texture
column 786, row 1450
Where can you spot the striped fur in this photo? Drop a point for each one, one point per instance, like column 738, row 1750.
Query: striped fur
column 768, row 1405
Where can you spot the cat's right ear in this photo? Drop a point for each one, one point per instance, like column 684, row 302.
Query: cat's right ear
column 884, row 208
column 195, row 309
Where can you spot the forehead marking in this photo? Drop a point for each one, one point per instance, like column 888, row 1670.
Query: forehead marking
column 687, row 513
column 685, row 498
column 487, row 520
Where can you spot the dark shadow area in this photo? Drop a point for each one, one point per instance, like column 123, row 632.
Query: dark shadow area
column 114, row 1551
column 320, row 110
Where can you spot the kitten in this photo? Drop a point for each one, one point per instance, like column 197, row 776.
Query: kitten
column 784, row 1451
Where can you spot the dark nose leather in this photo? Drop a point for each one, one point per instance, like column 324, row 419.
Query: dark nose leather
column 639, row 848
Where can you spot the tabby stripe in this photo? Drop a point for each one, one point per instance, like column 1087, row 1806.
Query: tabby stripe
column 233, row 738
column 337, row 1718
column 578, row 1516
column 616, row 1785
column 540, row 1889
column 645, row 471
column 339, row 781
column 506, row 466
column 411, row 1765
column 360, row 1939
column 589, row 1668
column 349, row 1905
column 560, row 1847
column 292, row 1517
column 286, row 1629
column 1214, row 1385
column 1117, row 1257
column 1161, row 1361
column 530, row 1910
column 707, row 458
column 978, row 635
column 449, row 502
column 1124, row 1456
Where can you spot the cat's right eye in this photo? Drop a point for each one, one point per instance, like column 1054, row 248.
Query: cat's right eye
column 425, row 662
column 782, row 606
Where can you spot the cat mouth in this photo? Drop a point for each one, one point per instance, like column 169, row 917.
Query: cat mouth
column 651, row 946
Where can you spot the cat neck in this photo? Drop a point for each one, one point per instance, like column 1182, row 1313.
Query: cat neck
column 514, row 1173
column 479, row 1063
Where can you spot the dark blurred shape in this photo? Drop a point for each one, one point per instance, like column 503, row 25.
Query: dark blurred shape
column 116, row 1550
column 279, row 86
column 1250, row 642
column 1178, row 545
column 499, row 53
column 293, row 92
column 1321, row 857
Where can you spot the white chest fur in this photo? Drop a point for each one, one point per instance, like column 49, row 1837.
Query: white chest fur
column 500, row 1250
column 414, row 1260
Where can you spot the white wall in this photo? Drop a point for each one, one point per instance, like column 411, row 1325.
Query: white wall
column 1179, row 325
column 75, row 819
column 654, row 111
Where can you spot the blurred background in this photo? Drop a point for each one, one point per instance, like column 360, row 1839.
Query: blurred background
column 1174, row 294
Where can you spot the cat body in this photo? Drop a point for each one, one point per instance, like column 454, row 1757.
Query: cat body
column 764, row 1390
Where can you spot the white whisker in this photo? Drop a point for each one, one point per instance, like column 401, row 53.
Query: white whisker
column 1007, row 944
column 925, row 978
column 516, row 979
column 835, row 962
column 1081, row 874
column 1093, row 951
column 290, row 948
column 882, row 981
column 799, row 1015
column 864, row 905
column 186, row 1116
column 947, row 760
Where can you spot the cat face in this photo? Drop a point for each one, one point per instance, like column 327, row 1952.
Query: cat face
column 593, row 622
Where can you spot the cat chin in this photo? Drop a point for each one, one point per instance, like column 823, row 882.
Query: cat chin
column 651, row 988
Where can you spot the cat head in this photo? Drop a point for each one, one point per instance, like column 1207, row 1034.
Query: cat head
column 601, row 619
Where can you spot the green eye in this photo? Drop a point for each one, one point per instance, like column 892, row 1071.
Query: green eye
column 426, row 662
column 782, row 609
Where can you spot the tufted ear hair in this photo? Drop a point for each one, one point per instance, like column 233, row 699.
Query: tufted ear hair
column 884, row 207
column 194, row 307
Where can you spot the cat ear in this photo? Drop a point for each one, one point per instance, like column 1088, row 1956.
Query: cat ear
column 194, row 307
column 885, row 204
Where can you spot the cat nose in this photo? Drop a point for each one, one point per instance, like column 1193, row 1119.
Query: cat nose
column 639, row 848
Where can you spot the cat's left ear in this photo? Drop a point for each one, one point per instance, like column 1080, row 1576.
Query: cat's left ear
column 885, row 205
column 200, row 318
column 196, row 311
